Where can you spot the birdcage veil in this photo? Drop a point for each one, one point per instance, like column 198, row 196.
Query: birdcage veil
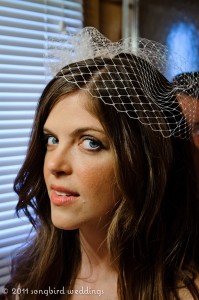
column 142, row 63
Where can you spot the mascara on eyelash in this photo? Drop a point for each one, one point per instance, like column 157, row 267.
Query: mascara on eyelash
column 99, row 145
column 45, row 138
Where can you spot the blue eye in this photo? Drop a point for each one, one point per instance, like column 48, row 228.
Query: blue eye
column 91, row 144
column 50, row 140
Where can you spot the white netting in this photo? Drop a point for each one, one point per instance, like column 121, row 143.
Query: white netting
column 128, row 78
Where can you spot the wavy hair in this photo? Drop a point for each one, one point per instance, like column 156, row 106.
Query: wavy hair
column 153, row 237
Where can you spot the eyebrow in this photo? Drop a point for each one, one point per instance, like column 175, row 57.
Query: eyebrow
column 77, row 131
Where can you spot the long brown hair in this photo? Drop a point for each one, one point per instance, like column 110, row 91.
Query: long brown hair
column 153, row 237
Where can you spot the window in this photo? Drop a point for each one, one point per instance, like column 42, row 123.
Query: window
column 183, row 43
column 25, row 26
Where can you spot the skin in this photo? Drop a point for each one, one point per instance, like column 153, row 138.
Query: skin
column 188, row 102
column 79, row 158
column 82, row 161
column 196, row 128
column 195, row 136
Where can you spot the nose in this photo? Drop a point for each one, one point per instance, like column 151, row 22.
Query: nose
column 58, row 162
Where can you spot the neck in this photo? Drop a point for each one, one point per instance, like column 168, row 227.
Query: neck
column 94, row 245
column 95, row 254
column 96, row 270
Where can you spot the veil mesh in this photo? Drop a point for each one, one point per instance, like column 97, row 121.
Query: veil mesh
column 136, row 75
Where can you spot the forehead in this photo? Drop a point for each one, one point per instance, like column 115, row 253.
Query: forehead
column 189, row 106
column 74, row 101
column 74, row 108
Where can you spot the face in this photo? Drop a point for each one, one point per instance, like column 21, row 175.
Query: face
column 186, row 103
column 78, row 166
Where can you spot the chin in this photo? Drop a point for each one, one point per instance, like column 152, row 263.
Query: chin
column 63, row 220
column 63, row 224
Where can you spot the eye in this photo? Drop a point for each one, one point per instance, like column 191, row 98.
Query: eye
column 91, row 144
column 50, row 140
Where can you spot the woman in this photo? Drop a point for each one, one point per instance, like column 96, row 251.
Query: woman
column 112, row 188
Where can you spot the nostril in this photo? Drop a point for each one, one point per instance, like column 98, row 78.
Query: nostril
column 57, row 173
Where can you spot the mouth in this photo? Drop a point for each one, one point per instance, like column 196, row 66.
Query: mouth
column 65, row 194
column 61, row 196
column 62, row 191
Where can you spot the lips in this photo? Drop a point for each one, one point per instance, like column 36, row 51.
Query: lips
column 61, row 196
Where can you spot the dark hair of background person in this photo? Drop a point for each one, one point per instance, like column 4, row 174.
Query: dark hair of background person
column 191, row 87
column 189, row 83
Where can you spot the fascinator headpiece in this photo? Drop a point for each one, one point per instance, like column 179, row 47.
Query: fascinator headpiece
column 136, row 74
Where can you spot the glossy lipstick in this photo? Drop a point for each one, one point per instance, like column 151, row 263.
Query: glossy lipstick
column 61, row 196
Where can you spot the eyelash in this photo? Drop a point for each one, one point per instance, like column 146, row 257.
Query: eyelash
column 99, row 144
column 99, row 147
column 46, row 137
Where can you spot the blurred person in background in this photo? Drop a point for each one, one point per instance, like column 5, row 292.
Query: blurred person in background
column 190, row 96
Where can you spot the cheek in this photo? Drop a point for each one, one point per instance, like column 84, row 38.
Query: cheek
column 93, row 170
column 100, row 193
column 99, row 179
